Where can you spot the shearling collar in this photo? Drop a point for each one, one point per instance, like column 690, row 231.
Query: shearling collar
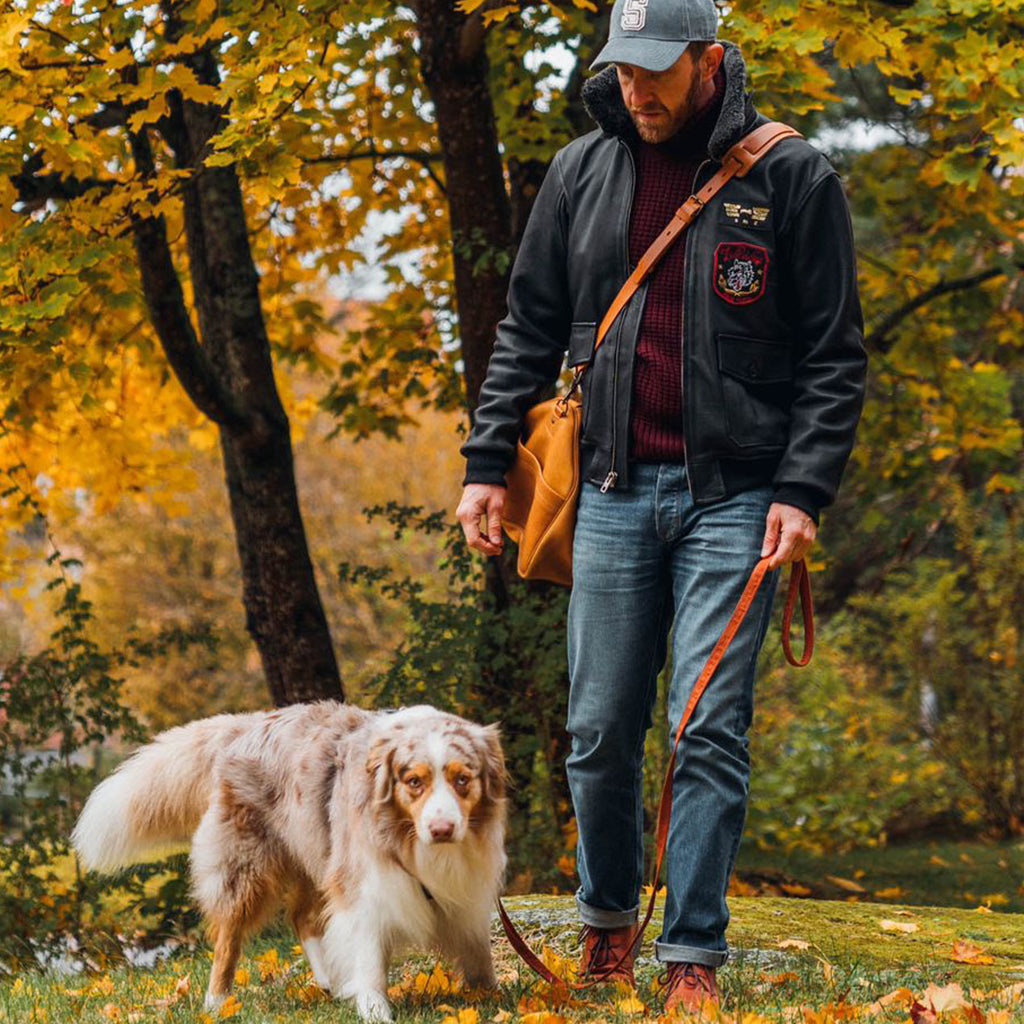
column 602, row 99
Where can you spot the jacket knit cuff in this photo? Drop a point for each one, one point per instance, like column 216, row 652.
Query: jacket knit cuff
column 802, row 497
column 485, row 469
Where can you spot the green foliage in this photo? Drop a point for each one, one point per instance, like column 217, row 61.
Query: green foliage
column 954, row 622
column 836, row 761
column 489, row 661
column 57, row 707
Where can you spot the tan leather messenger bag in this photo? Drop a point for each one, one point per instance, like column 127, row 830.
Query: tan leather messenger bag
column 543, row 484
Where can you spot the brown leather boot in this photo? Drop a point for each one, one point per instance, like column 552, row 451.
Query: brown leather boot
column 602, row 948
column 689, row 987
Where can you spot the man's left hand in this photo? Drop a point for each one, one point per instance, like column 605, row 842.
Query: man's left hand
column 789, row 534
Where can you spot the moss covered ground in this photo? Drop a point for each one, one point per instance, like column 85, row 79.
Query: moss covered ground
column 794, row 960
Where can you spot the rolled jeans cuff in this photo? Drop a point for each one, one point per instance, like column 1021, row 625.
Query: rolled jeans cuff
column 689, row 954
column 599, row 918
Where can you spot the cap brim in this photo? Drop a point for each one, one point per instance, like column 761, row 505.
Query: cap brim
column 652, row 54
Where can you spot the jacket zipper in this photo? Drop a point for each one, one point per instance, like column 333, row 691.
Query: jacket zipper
column 687, row 271
column 610, row 479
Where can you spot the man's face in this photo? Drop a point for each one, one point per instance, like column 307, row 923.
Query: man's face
column 661, row 102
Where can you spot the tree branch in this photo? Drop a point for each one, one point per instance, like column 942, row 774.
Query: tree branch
column 166, row 303
column 877, row 338
column 419, row 156
column 35, row 189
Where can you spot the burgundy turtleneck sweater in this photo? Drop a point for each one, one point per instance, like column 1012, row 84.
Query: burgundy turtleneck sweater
column 664, row 179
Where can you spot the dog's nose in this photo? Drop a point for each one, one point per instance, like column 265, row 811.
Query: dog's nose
column 442, row 831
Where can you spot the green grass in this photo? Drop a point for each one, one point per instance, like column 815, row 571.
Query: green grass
column 849, row 960
column 951, row 874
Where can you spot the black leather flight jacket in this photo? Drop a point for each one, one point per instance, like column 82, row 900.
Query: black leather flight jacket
column 773, row 359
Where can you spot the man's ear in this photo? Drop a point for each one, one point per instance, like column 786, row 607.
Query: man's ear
column 379, row 765
column 710, row 60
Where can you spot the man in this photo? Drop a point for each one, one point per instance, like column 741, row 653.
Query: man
column 719, row 414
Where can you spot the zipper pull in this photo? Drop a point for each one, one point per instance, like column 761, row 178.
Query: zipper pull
column 609, row 480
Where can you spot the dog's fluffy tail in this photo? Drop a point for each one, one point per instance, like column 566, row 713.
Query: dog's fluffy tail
column 152, row 803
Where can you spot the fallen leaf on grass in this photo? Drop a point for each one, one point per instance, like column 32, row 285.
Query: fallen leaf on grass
column 935, row 859
column 308, row 993
column 942, row 998
column 889, row 894
column 967, row 953
column 630, row 1005
column 795, row 889
column 845, row 883
column 899, row 996
column 542, row 1017
column 781, row 979
column 501, row 1016
column 111, row 1011
column 898, row 926
column 830, row 1013
column 467, row 1016
column 231, row 1008
column 794, row 944
column 828, row 969
column 1011, row 993
column 181, row 988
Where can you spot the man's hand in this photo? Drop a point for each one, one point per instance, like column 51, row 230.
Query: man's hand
column 482, row 501
column 797, row 531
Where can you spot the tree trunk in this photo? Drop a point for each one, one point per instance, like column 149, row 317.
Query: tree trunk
column 230, row 377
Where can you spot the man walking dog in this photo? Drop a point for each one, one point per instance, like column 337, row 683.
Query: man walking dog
column 719, row 414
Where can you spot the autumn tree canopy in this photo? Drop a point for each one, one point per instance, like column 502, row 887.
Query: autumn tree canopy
column 181, row 181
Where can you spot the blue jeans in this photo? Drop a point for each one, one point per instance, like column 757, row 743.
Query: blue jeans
column 645, row 560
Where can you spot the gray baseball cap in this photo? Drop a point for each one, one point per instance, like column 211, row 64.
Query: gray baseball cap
column 653, row 34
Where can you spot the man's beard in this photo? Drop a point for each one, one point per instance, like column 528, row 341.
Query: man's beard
column 680, row 122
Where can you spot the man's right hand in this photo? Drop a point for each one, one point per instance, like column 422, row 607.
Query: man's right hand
column 482, row 501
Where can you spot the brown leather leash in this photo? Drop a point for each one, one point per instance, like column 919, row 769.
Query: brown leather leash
column 798, row 580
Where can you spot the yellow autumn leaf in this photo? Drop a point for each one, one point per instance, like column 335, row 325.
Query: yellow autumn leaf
column 793, row 944
column 231, row 1008
column 967, row 953
column 893, row 892
column 630, row 1005
column 795, row 889
column 467, row 1016
column 845, row 883
column 944, row 998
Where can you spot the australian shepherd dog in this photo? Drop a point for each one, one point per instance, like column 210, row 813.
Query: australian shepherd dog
column 376, row 830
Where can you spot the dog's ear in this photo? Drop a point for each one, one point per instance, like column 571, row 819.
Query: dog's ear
column 495, row 776
column 379, row 765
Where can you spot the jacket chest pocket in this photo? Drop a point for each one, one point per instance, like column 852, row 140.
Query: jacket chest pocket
column 757, row 377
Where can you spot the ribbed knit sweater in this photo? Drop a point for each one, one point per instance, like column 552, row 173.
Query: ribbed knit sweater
column 664, row 179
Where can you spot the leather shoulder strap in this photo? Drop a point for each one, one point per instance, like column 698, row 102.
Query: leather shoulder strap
column 740, row 157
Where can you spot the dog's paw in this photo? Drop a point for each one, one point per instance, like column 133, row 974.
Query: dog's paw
column 213, row 1002
column 373, row 1006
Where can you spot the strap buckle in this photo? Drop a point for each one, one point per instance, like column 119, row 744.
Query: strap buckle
column 562, row 404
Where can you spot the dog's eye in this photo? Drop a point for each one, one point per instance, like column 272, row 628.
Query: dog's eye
column 414, row 782
column 462, row 781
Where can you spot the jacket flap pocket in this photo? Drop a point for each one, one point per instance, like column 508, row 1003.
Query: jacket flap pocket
column 582, row 335
column 755, row 360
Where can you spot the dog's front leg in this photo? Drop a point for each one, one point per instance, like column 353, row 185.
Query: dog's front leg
column 356, row 954
column 467, row 940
